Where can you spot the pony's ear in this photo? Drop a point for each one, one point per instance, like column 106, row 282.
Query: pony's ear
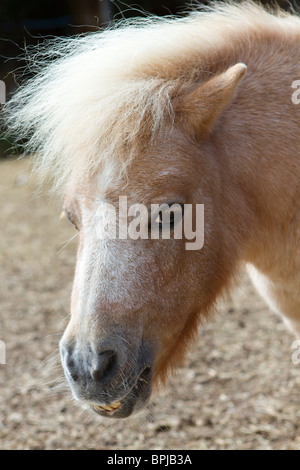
column 198, row 110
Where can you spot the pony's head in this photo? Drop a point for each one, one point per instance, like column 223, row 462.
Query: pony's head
column 136, row 301
column 123, row 114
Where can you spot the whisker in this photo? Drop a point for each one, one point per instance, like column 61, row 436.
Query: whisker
column 67, row 242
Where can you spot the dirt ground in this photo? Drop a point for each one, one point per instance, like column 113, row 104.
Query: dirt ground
column 238, row 390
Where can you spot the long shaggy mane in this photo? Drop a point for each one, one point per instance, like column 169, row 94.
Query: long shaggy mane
column 92, row 97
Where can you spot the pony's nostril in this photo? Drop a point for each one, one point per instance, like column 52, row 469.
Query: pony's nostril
column 103, row 366
column 71, row 369
column 74, row 376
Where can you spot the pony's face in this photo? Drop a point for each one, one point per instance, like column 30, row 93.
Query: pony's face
column 135, row 302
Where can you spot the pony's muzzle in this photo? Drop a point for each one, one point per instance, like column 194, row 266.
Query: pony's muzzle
column 105, row 377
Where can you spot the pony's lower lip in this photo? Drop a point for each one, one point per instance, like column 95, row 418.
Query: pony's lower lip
column 108, row 410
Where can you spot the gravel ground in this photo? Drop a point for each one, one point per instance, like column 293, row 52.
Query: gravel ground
column 238, row 389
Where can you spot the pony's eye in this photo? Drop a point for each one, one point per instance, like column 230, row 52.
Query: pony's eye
column 168, row 216
column 70, row 218
column 161, row 218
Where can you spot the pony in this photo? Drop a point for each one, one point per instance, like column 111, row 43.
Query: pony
column 192, row 110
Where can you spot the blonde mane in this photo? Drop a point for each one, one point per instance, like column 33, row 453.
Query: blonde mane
column 94, row 96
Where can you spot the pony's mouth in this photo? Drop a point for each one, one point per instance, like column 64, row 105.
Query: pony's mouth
column 133, row 401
